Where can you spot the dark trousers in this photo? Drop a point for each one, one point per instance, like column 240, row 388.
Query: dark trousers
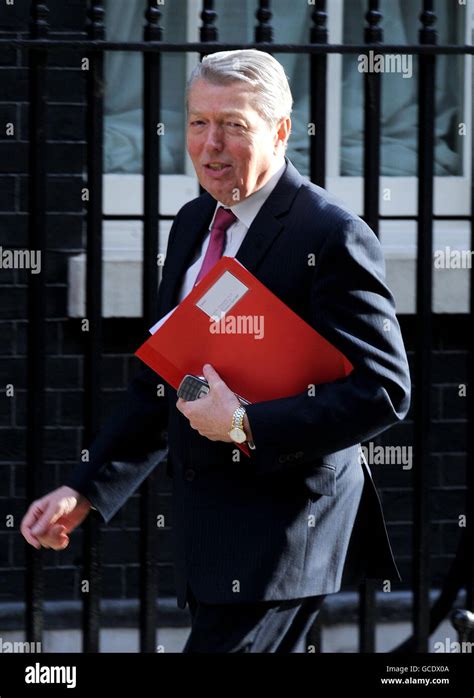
column 266, row 626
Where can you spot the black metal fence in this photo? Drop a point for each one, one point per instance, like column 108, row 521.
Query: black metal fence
column 94, row 45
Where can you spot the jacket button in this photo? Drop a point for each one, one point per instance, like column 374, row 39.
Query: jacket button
column 189, row 474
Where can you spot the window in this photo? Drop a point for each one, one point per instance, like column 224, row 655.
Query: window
column 123, row 130
column 124, row 89
column 399, row 111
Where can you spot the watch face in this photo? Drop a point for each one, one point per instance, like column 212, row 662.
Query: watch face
column 238, row 435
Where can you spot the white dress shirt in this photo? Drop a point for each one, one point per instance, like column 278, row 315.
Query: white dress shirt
column 245, row 211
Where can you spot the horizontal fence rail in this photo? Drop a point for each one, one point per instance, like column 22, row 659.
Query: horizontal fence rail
column 203, row 47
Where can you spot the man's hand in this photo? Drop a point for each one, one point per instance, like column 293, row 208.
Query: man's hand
column 49, row 519
column 211, row 415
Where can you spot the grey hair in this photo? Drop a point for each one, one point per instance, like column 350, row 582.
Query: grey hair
column 264, row 75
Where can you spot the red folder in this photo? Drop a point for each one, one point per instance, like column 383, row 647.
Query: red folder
column 258, row 345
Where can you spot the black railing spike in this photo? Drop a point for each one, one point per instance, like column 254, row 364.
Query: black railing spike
column 428, row 33
column 318, row 96
column 96, row 16
column 373, row 32
column 208, row 32
column 319, row 30
column 153, row 30
column 463, row 622
column 264, row 29
column 39, row 20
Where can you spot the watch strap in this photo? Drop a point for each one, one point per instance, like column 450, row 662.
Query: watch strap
column 238, row 418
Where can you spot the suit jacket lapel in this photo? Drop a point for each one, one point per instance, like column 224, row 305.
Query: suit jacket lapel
column 270, row 220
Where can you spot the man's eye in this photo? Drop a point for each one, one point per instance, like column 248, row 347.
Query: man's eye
column 235, row 125
column 196, row 123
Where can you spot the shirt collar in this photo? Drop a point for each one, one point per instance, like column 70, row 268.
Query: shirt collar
column 247, row 210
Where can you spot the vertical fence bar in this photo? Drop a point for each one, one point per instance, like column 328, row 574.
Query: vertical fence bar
column 263, row 29
column 93, row 353
column 314, row 638
column 151, row 234
column 207, row 33
column 372, row 115
column 36, row 366
column 317, row 160
column 470, row 454
column 317, row 95
column 421, row 523
column 373, row 35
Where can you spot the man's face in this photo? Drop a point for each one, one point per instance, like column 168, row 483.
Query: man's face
column 231, row 146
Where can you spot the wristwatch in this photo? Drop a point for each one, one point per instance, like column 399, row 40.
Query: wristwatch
column 237, row 432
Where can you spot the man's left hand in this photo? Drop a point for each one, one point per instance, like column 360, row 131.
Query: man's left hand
column 211, row 415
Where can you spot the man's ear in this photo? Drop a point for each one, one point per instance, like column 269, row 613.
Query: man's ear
column 283, row 132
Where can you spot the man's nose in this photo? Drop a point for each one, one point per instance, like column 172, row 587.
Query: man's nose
column 215, row 138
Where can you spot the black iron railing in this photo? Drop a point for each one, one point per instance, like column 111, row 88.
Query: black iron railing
column 152, row 47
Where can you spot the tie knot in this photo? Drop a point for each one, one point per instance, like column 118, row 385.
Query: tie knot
column 224, row 218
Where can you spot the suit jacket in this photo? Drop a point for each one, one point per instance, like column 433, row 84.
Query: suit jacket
column 301, row 516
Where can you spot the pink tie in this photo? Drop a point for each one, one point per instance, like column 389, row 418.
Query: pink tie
column 222, row 220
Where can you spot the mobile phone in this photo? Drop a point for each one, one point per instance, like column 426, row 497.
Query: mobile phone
column 194, row 387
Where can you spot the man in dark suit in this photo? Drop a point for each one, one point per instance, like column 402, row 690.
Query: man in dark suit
column 259, row 541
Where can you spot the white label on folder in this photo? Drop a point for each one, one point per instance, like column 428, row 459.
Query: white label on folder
column 222, row 296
